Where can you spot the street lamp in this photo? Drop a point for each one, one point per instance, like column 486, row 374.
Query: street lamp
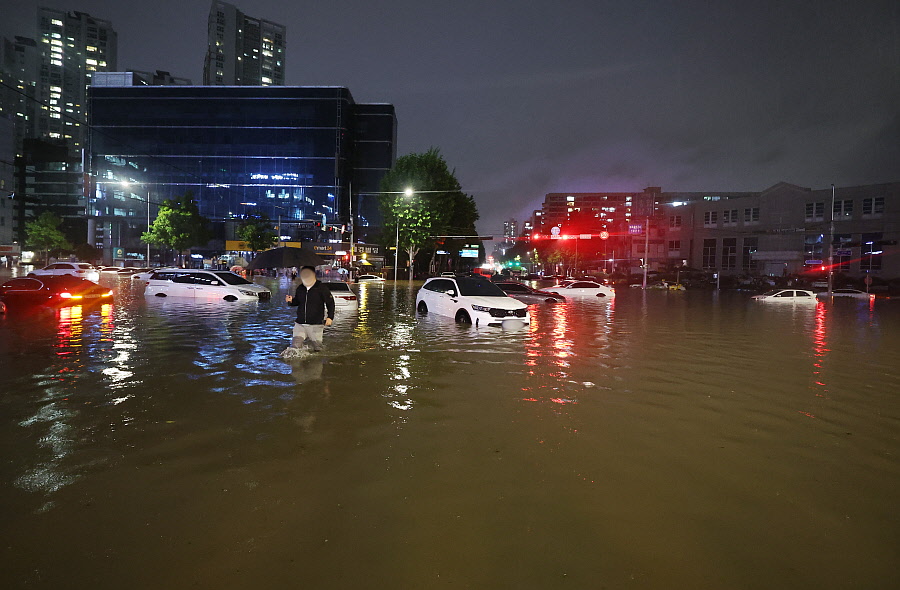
column 407, row 193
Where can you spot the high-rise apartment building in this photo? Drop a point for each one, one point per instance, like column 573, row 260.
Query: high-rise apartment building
column 72, row 46
column 19, row 65
column 242, row 50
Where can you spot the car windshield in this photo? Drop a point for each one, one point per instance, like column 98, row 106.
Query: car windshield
column 479, row 288
column 232, row 279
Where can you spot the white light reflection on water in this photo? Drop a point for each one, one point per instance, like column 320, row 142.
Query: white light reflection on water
column 663, row 433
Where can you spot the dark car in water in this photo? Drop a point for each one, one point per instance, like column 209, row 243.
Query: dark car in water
column 55, row 291
column 526, row 294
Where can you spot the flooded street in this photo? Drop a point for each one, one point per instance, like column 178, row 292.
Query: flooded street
column 655, row 440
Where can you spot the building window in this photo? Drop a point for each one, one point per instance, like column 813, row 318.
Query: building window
column 873, row 207
column 750, row 246
column 843, row 209
column 709, row 253
column 675, row 221
column 710, row 218
column 730, row 217
column 751, row 215
column 814, row 248
column 674, row 247
column 870, row 260
column 842, row 252
column 815, row 212
column 729, row 253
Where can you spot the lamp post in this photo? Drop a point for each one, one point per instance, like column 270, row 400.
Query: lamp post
column 831, row 246
column 407, row 193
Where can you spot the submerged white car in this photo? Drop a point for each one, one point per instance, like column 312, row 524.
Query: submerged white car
column 852, row 293
column 581, row 289
column 470, row 300
column 203, row 284
column 344, row 296
column 82, row 270
column 787, row 296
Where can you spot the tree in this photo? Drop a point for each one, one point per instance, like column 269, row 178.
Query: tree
column 88, row 252
column 178, row 225
column 256, row 230
column 44, row 234
column 435, row 205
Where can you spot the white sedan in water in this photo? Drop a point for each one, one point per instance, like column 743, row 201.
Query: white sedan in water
column 852, row 293
column 471, row 300
column 582, row 289
column 344, row 296
column 787, row 296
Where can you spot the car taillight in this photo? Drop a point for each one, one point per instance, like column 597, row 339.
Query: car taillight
column 350, row 298
column 65, row 295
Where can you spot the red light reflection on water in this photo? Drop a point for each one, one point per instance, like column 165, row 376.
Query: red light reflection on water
column 107, row 326
column 820, row 342
column 69, row 330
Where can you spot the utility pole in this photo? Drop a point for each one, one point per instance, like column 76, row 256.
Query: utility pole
column 831, row 246
column 646, row 251
column 352, row 227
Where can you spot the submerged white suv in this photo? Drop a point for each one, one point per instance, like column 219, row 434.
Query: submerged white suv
column 203, row 284
column 470, row 300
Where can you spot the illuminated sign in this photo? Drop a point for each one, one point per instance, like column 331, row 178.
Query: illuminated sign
column 467, row 253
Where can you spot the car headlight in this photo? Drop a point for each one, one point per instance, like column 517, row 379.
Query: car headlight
column 248, row 293
column 480, row 308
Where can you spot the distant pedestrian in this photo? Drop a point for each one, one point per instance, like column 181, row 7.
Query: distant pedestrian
column 315, row 309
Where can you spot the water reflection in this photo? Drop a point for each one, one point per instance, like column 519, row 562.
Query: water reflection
column 602, row 427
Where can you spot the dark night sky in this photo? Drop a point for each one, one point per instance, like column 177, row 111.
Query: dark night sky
column 528, row 98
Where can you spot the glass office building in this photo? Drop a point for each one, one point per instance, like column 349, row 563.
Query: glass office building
column 292, row 153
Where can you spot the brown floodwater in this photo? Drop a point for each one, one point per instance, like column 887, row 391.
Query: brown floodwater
column 655, row 440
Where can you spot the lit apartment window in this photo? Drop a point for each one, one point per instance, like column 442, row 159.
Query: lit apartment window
column 269, row 81
column 56, row 22
column 91, row 62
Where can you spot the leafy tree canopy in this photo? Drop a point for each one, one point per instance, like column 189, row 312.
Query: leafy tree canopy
column 436, row 205
column 256, row 230
column 178, row 225
column 44, row 234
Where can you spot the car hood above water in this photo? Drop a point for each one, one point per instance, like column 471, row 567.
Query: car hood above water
column 496, row 302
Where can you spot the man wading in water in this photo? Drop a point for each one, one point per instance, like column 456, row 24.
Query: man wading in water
column 312, row 300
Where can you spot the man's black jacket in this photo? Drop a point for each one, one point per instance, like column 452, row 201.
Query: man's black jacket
column 311, row 303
